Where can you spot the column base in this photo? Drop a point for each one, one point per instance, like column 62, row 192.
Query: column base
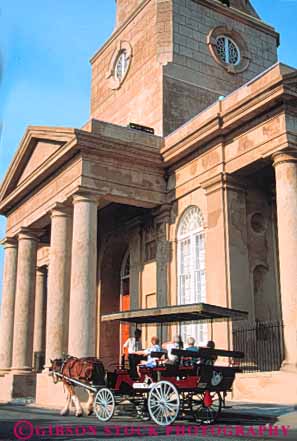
column 17, row 386
column 53, row 396
column 289, row 367
column 4, row 372
column 21, row 371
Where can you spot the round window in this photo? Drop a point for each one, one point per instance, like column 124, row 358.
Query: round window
column 121, row 65
column 258, row 223
column 227, row 50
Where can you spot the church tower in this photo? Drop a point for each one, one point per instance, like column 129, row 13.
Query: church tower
column 167, row 60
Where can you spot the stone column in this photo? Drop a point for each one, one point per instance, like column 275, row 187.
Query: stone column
column 8, row 301
column 40, row 318
column 163, row 254
column 24, row 302
column 135, row 268
column 285, row 164
column 83, row 293
column 58, row 283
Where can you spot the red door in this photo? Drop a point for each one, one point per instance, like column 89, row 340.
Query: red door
column 125, row 327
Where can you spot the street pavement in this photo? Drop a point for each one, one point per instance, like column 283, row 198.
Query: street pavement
column 240, row 422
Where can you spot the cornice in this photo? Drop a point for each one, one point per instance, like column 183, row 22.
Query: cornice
column 260, row 95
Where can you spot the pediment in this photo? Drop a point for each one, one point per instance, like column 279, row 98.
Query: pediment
column 38, row 145
column 41, row 152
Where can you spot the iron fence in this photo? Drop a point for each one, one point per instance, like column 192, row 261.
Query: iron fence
column 262, row 345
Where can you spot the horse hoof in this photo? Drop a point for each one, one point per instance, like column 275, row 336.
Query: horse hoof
column 90, row 412
column 64, row 412
column 78, row 415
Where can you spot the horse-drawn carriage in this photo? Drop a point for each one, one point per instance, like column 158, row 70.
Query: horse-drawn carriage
column 168, row 391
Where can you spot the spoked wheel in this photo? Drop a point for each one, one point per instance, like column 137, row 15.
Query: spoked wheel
column 206, row 407
column 163, row 403
column 104, row 404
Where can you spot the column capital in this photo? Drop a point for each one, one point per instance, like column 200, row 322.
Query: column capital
column 60, row 210
column 29, row 234
column 134, row 226
column 41, row 270
column 85, row 197
column 9, row 242
column 223, row 181
column 162, row 213
column 284, row 156
column 164, row 251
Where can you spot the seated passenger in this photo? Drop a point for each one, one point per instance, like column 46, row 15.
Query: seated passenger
column 191, row 345
column 151, row 361
column 176, row 343
column 209, row 361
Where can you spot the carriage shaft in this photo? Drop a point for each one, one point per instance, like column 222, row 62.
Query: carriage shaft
column 78, row 383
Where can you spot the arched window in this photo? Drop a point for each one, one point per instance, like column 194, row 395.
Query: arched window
column 125, row 297
column 125, row 275
column 191, row 268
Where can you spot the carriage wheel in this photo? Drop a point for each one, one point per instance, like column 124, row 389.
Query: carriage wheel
column 206, row 409
column 104, row 404
column 163, row 403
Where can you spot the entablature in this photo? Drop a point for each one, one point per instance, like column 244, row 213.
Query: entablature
column 251, row 123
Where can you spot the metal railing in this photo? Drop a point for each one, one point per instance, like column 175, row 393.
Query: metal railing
column 262, row 344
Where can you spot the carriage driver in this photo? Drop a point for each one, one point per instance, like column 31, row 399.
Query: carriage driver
column 133, row 344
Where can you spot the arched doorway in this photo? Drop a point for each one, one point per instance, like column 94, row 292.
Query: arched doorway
column 125, row 297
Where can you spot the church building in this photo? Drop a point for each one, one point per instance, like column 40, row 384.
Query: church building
column 180, row 188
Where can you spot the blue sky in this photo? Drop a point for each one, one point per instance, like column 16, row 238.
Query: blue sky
column 44, row 52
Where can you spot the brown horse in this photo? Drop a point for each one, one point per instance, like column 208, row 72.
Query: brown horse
column 89, row 371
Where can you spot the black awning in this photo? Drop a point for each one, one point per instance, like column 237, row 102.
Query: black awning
column 196, row 312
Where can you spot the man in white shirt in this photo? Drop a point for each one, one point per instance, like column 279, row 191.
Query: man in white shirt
column 133, row 345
